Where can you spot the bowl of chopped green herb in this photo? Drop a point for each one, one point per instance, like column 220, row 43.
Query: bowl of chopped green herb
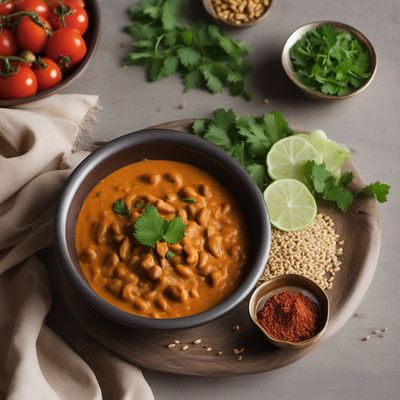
column 329, row 60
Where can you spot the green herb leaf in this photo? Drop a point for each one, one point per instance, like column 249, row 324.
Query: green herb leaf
column 175, row 231
column 120, row 208
column 201, row 53
column 323, row 184
column 189, row 57
column 331, row 61
column 170, row 254
column 246, row 138
column 150, row 228
column 188, row 200
column 378, row 190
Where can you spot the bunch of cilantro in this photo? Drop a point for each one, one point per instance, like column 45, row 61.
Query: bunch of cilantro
column 200, row 53
column 325, row 186
column 246, row 138
column 331, row 61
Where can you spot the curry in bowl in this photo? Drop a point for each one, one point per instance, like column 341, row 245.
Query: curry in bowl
column 161, row 239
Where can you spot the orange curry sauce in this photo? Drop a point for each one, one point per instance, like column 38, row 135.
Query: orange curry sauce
column 207, row 264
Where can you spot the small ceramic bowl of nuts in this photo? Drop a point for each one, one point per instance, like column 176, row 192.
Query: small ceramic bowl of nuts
column 237, row 13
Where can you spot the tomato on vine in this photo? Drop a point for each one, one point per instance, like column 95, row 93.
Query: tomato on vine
column 38, row 6
column 67, row 14
column 47, row 72
column 6, row 7
column 32, row 34
column 66, row 47
column 8, row 43
column 21, row 83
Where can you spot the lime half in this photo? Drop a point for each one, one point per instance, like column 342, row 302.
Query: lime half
column 287, row 157
column 290, row 204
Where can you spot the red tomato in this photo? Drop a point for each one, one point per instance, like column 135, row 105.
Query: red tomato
column 22, row 84
column 48, row 74
column 6, row 7
column 66, row 47
column 8, row 43
column 66, row 14
column 39, row 6
column 31, row 36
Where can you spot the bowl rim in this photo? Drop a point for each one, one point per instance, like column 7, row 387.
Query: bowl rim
column 252, row 308
column 148, row 136
column 208, row 6
column 289, row 70
column 78, row 72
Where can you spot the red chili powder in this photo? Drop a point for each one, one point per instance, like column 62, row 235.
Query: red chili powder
column 290, row 316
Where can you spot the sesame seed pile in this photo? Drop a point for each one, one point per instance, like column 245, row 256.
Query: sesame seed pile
column 312, row 252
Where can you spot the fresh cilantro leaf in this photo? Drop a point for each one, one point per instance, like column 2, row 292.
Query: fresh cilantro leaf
column 378, row 190
column 317, row 176
column 120, row 208
column 324, row 185
column 214, row 84
column 150, row 227
column 175, row 231
column 171, row 10
column 189, row 57
column 188, row 200
column 345, row 179
column 201, row 53
column 258, row 173
column 192, row 80
column 342, row 198
column 220, row 129
column 199, row 127
column 246, row 138
column 170, row 254
column 331, row 61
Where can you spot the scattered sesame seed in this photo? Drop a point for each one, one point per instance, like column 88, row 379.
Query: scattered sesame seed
column 385, row 329
column 236, row 328
column 312, row 252
column 219, row 353
column 208, row 348
column 364, row 339
column 236, row 351
column 185, row 347
column 182, row 104
column 197, row 341
column 375, row 332
column 171, row 345
column 176, row 341
column 240, row 358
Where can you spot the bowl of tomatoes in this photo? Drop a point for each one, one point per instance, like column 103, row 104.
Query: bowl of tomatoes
column 44, row 46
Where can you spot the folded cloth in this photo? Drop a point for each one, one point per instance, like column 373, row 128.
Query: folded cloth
column 37, row 154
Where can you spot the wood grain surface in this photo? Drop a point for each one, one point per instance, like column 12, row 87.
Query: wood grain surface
column 359, row 228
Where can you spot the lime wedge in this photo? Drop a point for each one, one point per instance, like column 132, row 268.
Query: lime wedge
column 290, row 204
column 287, row 157
column 333, row 154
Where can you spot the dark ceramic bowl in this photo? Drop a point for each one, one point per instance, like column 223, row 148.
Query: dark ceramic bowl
column 164, row 145
column 92, row 37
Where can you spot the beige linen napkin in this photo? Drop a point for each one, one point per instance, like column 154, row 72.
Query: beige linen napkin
column 36, row 156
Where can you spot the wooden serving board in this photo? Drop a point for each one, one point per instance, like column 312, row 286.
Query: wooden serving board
column 359, row 228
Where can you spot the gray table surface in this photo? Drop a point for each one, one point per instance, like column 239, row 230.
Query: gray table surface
column 344, row 367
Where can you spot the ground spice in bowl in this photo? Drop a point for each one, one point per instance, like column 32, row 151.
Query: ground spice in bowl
column 290, row 316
